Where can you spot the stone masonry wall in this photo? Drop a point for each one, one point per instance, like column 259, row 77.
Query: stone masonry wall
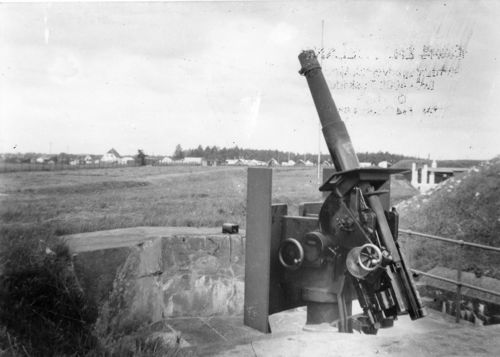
column 169, row 272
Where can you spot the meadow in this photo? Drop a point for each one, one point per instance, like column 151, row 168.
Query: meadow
column 47, row 204
column 65, row 202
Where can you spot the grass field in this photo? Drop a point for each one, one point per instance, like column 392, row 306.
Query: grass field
column 62, row 202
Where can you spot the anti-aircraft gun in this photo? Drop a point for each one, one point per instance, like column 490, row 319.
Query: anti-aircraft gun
column 346, row 246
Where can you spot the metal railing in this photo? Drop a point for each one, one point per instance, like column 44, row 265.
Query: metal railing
column 459, row 283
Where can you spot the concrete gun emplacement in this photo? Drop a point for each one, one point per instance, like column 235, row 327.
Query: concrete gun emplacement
column 334, row 251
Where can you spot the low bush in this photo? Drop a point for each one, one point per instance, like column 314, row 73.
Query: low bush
column 42, row 307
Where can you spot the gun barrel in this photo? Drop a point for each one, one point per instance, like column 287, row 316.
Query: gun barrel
column 334, row 130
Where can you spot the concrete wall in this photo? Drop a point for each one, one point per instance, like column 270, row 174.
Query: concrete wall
column 145, row 274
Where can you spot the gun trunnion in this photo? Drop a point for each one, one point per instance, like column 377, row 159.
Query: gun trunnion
column 334, row 251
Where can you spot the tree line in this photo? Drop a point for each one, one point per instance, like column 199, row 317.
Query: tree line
column 216, row 154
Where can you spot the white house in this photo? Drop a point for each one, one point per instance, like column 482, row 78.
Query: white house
column 43, row 159
column 365, row 164
column 254, row 162
column 111, row 156
column 193, row 161
column 273, row 162
column 166, row 160
column 125, row 160
column 304, row 163
column 288, row 163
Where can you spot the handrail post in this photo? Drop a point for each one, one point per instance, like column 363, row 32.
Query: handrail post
column 459, row 281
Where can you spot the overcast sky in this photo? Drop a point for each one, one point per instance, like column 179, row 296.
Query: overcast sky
column 86, row 77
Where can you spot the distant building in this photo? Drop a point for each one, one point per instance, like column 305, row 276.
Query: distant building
column 424, row 178
column 273, row 162
column 166, row 160
column 126, row 160
column 244, row 162
column 45, row 159
column 304, row 163
column 42, row 159
column 288, row 163
column 111, row 156
column 197, row 161
column 254, row 162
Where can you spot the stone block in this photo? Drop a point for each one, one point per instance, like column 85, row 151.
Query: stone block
column 161, row 273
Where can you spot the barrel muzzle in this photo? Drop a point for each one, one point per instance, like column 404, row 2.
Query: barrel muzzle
column 309, row 61
column 334, row 130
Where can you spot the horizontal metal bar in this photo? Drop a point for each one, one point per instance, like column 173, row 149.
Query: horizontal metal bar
column 452, row 241
column 312, row 215
column 305, row 218
column 419, row 272
column 496, row 293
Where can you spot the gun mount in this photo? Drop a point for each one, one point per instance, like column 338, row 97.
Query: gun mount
column 344, row 247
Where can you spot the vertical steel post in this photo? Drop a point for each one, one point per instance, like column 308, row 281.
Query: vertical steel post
column 458, row 298
column 258, row 249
